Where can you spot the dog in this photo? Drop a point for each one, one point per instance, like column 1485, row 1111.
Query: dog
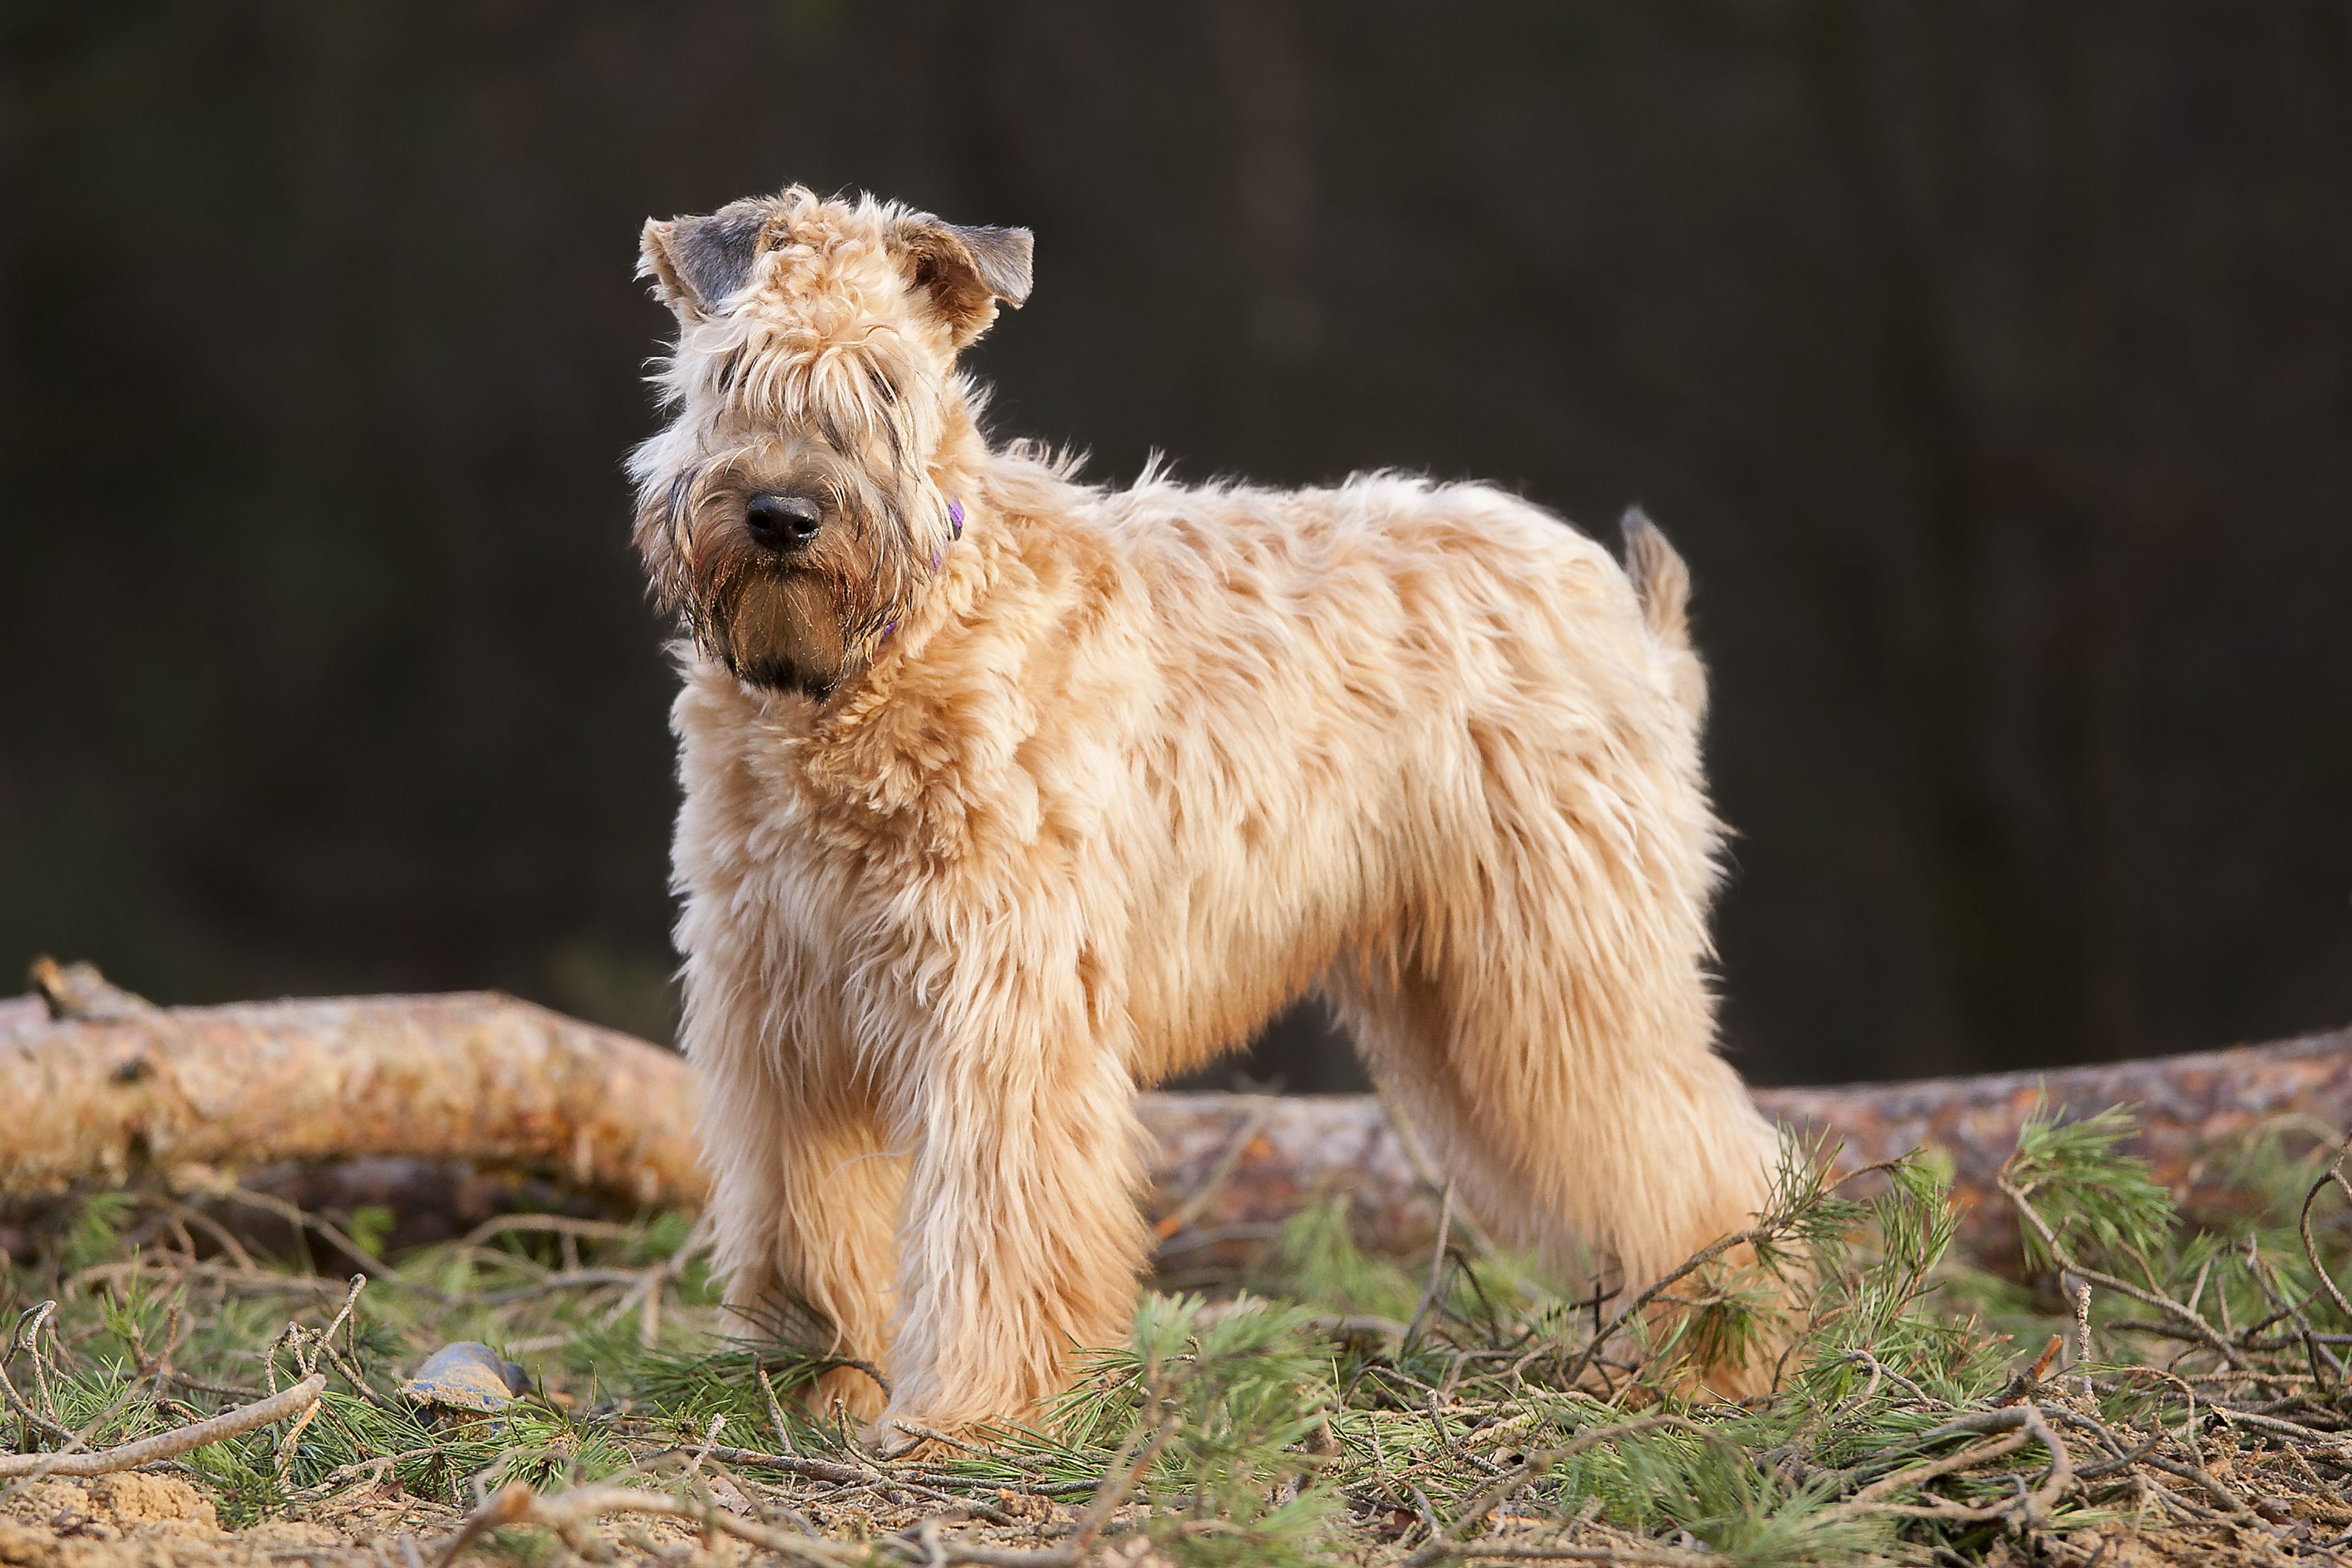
column 1005, row 793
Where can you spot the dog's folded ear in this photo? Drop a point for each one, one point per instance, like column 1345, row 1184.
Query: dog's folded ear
column 966, row 270
column 697, row 262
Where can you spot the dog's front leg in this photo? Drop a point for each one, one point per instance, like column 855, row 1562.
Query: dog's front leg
column 1021, row 1234
column 805, row 1185
column 805, row 1203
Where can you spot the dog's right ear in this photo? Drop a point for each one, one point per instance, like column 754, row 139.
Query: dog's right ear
column 697, row 262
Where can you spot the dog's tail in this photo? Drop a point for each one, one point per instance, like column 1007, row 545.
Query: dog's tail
column 1662, row 584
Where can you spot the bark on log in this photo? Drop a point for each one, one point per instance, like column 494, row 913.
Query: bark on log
column 471, row 1076
column 488, row 1081
column 2187, row 1105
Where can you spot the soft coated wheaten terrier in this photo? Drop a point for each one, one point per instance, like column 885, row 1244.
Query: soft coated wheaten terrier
column 1006, row 793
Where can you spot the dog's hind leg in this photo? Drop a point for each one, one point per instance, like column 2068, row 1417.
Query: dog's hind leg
column 1563, row 1134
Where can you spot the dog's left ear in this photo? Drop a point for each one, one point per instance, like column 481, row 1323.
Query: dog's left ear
column 966, row 270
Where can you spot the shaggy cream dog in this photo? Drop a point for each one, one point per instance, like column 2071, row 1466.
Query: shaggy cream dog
column 1006, row 793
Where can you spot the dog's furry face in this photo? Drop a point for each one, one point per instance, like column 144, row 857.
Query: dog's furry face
column 793, row 507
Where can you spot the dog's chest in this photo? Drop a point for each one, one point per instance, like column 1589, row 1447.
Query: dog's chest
column 840, row 849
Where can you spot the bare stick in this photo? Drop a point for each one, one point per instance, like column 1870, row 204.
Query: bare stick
column 36, row 1315
column 559, row 1224
column 836, row 1474
column 1219, row 1174
column 2066, row 1260
column 1634, row 1556
column 188, row 1214
column 1119, row 1482
column 776, row 1414
column 327, row 1339
column 1950, row 1464
column 2024, row 1422
column 1442, row 1544
column 568, row 1513
column 2022, row 1385
column 151, row 1370
column 173, row 1444
column 1424, row 1171
column 1436, row 1266
column 2334, row 1174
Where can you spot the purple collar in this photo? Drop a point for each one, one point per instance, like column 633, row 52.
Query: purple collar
column 955, row 526
column 955, row 531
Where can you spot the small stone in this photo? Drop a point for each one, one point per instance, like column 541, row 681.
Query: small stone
column 466, row 1375
column 729, row 1496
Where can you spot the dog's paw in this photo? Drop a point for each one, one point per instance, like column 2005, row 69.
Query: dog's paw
column 844, row 1391
column 896, row 1437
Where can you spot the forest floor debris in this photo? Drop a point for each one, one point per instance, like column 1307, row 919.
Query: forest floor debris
column 2169, row 1391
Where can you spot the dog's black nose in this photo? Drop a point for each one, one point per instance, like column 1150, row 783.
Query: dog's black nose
column 781, row 522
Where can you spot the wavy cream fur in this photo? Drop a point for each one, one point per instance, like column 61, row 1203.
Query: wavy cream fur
column 1129, row 772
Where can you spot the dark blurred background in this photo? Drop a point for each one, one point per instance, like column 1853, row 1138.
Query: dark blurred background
column 1992, row 364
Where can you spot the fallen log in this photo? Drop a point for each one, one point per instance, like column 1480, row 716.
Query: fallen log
column 470, row 1077
column 135, row 1093
column 2188, row 1107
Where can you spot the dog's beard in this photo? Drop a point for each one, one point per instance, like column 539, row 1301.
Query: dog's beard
column 783, row 629
column 806, row 622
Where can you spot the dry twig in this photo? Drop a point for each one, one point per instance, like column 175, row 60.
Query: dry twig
column 173, row 1444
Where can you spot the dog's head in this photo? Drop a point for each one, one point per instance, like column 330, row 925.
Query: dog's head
column 793, row 506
